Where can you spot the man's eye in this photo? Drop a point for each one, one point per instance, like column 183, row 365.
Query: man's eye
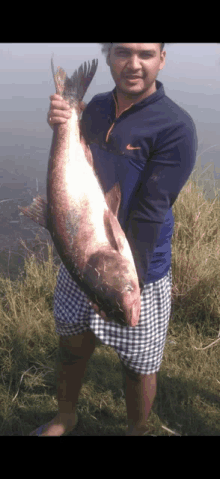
column 122, row 52
column 143, row 55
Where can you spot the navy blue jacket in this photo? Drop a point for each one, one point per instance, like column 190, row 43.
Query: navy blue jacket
column 151, row 150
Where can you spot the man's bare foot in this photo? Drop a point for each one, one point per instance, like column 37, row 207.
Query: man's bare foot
column 132, row 431
column 61, row 424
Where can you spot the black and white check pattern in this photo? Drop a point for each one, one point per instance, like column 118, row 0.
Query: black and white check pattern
column 140, row 348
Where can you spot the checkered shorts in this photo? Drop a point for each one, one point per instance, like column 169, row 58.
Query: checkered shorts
column 139, row 348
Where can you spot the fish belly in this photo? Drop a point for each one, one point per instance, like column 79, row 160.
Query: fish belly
column 82, row 186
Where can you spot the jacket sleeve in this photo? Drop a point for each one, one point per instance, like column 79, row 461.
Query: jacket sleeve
column 165, row 174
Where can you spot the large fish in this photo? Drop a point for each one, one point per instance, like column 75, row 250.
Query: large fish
column 82, row 221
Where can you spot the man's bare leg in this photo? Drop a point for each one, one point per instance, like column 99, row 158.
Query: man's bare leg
column 74, row 352
column 140, row 391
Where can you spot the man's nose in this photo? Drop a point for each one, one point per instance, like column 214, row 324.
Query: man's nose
column 134, row 63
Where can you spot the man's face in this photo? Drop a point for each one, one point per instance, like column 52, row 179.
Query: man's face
column 135, row 66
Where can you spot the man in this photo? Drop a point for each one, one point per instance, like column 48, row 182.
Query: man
column 141, row 138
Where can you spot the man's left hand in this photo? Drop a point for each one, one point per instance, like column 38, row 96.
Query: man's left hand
column 101, row 313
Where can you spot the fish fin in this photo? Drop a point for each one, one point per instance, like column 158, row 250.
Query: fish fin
column 114, row 233
column 113, row 198
column 37, row 211
column 87, row 151
column 73, row 89
column 59, row 78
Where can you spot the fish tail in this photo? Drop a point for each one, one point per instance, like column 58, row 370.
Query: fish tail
column 37, row 211
column 73, row 89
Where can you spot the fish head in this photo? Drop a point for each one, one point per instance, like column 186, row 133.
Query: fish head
column 114, row 286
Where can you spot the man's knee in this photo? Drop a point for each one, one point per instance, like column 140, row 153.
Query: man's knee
column 130, row 374
column 67, row 357
column 133, row 375
column 76, row 348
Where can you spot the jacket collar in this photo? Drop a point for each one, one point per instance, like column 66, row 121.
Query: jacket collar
column 157, row 95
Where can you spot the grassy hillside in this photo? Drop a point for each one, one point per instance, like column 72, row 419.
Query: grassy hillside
column 188, row 399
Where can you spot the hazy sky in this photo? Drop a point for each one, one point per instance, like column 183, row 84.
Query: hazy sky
column 191, row 78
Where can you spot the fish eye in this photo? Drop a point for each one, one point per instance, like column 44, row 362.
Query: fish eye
column 128, row 287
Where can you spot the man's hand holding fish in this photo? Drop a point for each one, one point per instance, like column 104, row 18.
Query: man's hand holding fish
column 60, row 111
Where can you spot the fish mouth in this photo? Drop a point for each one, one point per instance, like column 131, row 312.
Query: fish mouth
column 114, row 313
